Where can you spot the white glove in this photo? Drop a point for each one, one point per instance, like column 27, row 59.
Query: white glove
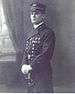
column 26, row 68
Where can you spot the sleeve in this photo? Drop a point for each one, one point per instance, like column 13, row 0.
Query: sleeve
column 47, row 52
column 24, row 60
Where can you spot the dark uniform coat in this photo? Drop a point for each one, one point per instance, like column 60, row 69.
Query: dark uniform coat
column 38, row 53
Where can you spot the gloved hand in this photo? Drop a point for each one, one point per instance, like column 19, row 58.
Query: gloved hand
column 26, row 68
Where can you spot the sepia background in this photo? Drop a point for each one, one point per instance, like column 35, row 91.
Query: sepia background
column 14, row 27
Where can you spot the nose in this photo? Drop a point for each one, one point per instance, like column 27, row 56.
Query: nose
column 33, row 14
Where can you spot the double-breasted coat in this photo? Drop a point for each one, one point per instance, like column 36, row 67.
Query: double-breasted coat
column 38, row 52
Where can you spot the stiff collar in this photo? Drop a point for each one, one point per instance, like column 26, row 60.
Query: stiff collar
column 36, row 26
column 39, row 30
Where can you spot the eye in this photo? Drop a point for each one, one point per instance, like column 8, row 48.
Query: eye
column 35, row 13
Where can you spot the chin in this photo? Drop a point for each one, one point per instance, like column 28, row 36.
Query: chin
column 34, row 22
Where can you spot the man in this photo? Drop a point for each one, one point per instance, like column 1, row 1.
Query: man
column 38, row 52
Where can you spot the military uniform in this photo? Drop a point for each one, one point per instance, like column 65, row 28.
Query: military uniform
column 38, row 53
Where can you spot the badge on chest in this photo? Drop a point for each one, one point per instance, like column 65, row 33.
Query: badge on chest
column 33, row 42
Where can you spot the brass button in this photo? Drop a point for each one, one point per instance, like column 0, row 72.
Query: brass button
column 32, row 51
column 32, row 48
column 38, row 38
column 33, row 44
column 29, row 56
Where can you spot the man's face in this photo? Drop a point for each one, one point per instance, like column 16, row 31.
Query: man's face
column 36, row 17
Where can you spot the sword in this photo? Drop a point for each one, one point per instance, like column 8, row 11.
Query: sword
column 29, row 79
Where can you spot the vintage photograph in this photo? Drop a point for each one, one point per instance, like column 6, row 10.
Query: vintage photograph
column 37, row 46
